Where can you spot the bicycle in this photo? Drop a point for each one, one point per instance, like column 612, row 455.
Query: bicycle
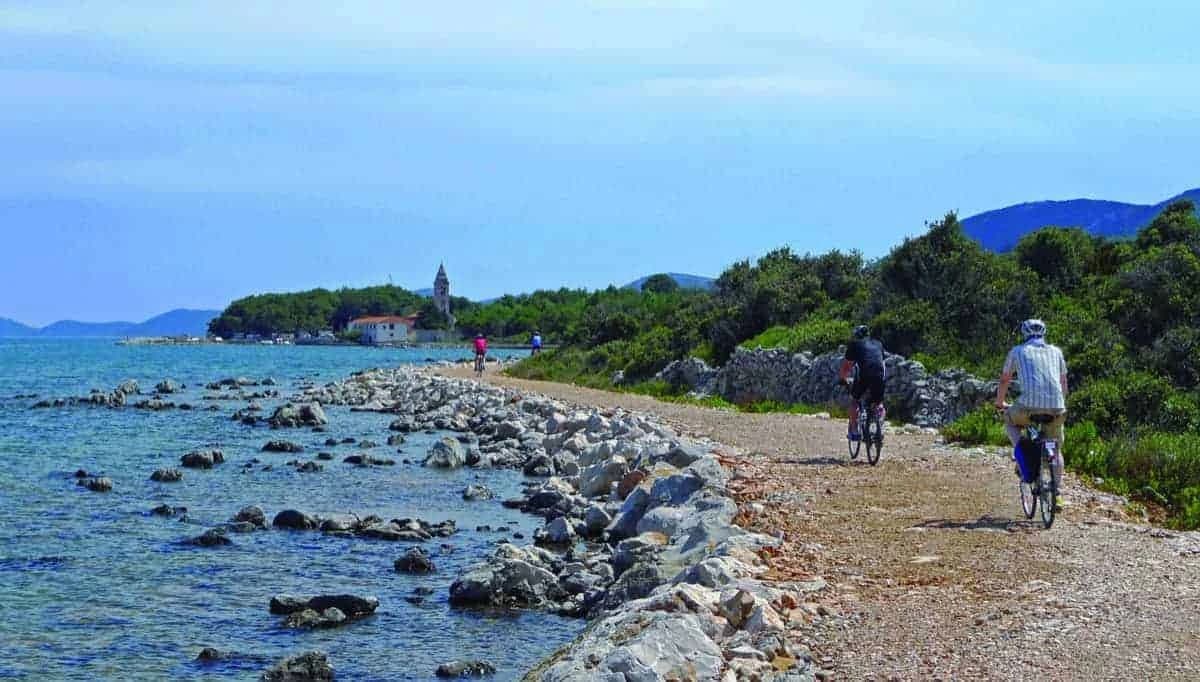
column 870, row 431
column 479, row 364
column 1037, row 486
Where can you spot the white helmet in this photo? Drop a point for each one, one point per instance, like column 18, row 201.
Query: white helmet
column 1032, row 328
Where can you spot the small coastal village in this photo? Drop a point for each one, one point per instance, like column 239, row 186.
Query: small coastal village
column 368, row 330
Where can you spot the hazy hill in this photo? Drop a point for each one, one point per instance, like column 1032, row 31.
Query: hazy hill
column 173, row 323
column 13, row 328
column 684, row 281
column 1001, row 229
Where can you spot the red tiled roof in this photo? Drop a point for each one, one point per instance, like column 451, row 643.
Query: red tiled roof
column 406, row 320
column 385, row 319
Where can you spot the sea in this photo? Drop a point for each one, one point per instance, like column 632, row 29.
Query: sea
column 93, row 586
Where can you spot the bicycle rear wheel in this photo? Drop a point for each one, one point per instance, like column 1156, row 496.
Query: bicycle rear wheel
column 1028, row 499
column 1047, row 491
column 855, row 446
column 874, row 438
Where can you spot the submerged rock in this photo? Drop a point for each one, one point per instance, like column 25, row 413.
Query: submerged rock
column 282, row 446
column 415, row 560
column 210, row 538
column 167, row 475
column 289, row 415
column 294, row 520
column 477, row 492
column 466, row 669
column 350, row 605
column 202, row 459
column 102, row 484
column 311, row 666
column 309, row 618
column 252, row 514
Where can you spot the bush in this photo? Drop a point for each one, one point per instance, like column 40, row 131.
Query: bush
column 1119, row 403
column 980, row 427
column 1163, row 468
column 816, row 335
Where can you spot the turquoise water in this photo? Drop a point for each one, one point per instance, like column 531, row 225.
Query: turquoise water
column 92, row 586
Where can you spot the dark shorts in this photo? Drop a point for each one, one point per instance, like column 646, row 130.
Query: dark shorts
column 871, row 386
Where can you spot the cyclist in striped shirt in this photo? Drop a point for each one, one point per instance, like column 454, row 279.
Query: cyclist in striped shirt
column 1042, row 371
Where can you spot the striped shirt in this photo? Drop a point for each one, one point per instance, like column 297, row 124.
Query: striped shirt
column 1039, row 366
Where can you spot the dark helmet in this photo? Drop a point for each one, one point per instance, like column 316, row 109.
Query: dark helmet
column 861, row 331
column 479, row 335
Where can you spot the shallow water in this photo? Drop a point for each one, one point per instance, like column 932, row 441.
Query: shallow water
column 93, row 586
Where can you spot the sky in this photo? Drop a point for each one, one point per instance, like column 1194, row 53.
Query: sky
column 160, row 155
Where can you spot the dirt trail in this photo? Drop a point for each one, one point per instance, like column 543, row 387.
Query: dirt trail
column 932, row 571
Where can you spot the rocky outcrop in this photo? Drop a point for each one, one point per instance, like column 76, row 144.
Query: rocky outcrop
column 475, row 492
column 326, row 611
column 291, row 415
column 415, row 560
column 912, row 393
column 202, row 459
column 101, row 484
column 466, row 669
column 282, row 446
column 447, row 453
column 167, row 475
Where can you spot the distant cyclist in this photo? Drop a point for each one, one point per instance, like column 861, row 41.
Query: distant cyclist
column 535, row 344
column 480, row 351
column 867, row 354
column 1042, row 371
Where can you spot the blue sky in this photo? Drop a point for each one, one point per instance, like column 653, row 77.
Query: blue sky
column 158, row 155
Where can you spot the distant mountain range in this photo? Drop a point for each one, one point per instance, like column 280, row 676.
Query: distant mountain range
column 173, row 323
column 684, row 281
column 1001, row 229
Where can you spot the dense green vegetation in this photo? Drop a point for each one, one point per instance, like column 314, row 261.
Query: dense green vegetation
column 1126, row 313
column 318, row 309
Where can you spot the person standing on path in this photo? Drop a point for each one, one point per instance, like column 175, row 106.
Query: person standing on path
column 535, row 344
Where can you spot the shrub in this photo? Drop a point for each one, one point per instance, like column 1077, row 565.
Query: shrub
column 816, row 335
column 1160, row 467
column 980, row 427
column 1118, row 403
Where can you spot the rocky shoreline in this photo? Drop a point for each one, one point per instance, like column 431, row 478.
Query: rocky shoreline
column 640, row 534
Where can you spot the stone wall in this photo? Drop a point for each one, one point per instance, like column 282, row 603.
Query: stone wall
column 912, row 393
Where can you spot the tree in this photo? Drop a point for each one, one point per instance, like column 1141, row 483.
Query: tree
column 1177, row 224
column 660, row 284
column 431, row 317
column 1060, row 256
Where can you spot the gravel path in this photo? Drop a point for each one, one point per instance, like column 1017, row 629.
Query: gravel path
column 932, row 571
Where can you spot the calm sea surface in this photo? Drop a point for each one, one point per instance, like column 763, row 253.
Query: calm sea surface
column 92, row 586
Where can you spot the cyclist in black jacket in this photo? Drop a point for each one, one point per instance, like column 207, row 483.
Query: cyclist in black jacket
column 867, row 354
